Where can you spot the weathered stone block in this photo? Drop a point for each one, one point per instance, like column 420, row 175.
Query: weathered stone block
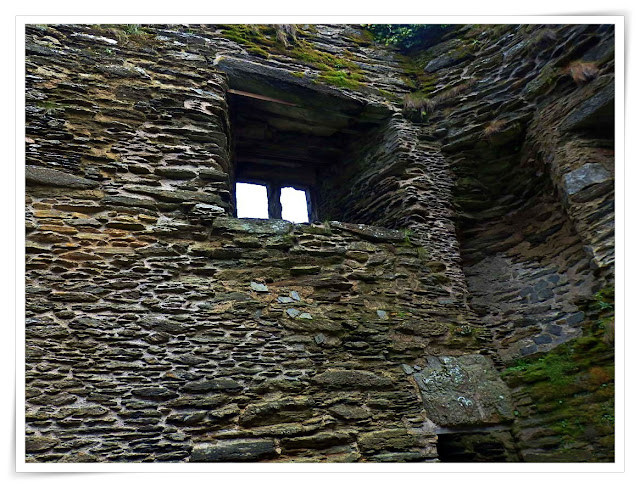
column 318, row 441
column 222, row 384
column 352, row 379
column 234, row 451
column 387, row 440
column 597, row 111
column 36, row 175
column 40, row 443
column 585, row 176
column 464, row 390
column 279, row 411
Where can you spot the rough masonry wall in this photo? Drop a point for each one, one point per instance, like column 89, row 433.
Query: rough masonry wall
column 525, row 114
column 393, row 178
column 261, row 341
column 160, row 328
column 526, row 117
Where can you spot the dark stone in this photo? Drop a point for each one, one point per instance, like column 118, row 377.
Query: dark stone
column 222, row 384
column 318, row 441
column 253, row 226
column 124, row 201
column 161, row 324
column 388, row 439
column 331, row 281
column 555, row 330
column 234, row 451
column 463, row 390
column 371, row 233
column 525, row 351
column 543, row 339
column 576, row 318
column 277, row 412
column 154, row 393
column 175, row 172
column 351, row 379
column 209, row 401
column 175, row 195
column 211, row 174
column 304, row 270
column 40, row 443
column 597, row 111
column 349, row 412
column 443, row 62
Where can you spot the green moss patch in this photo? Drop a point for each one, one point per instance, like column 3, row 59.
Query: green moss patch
column 264, row 41
column 572, row 386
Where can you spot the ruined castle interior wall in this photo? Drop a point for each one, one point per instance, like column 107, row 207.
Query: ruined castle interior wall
column 393, row 178
column 530, row 252
column 160, row 328
column 531, row 144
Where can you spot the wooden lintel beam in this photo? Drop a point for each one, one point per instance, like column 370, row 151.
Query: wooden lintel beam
column 261, row 97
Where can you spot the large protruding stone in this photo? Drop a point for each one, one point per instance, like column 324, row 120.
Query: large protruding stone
column 464, row 390
column 584, row 176
column 52, row 177
column 597, row 111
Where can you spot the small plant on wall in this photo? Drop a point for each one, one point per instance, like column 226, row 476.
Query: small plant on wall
column 582, row 72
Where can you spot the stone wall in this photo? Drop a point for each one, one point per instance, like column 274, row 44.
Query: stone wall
column 394, row 178
column 261, row 340
column 526, row 117
column 525, row 114
column 459, row 237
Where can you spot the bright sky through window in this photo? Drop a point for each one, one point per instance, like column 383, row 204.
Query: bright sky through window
column 294, row 205
column 251, row 201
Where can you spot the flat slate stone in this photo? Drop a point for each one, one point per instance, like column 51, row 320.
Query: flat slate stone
column 40, row 443
column 36, row 175
column 233, row 451
column 370, row 232
column 253, row 226
column 382, row 314
column 259, row 287
column 586, row 175
column 597, row 111
column 292, row 312
column 222, row 384
column 294, row 295
column 347, row 379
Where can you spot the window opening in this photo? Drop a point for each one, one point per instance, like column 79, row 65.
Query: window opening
column 252, row 201
column 295, row 205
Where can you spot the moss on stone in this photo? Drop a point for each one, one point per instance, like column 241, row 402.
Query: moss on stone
column 573, row 385
column 341, row 78
column 262, row 40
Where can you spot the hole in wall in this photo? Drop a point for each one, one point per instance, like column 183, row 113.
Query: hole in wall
column 477, row 447
column 291, row 138
column 294, row 205
column 251, row 201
